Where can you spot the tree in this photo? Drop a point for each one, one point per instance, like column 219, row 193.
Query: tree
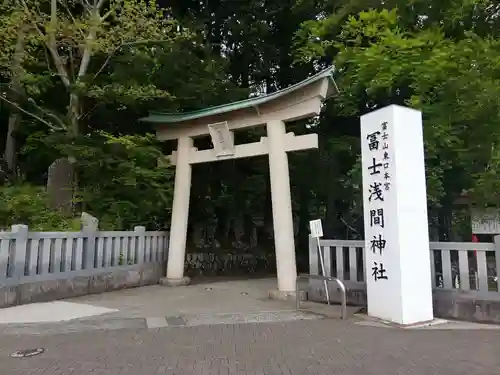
column 451, row 78
column 80, row 39
column 114, row 76
column 12, row 59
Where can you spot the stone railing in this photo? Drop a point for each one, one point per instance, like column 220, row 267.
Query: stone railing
column 465, row 276
column 43, row 266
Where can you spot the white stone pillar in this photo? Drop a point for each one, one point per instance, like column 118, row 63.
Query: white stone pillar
column 282, row 207
column 180, row 213
column 398, row 268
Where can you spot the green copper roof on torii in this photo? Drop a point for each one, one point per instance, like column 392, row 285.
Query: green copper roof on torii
column 165, row 118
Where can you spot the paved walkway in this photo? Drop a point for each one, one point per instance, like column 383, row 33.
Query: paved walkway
column 301, row 347
column 223, row 296
column 223, row 302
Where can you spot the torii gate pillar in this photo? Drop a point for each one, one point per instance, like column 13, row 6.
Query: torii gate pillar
column 180, row 213
column 282, row 207
column 299, row 101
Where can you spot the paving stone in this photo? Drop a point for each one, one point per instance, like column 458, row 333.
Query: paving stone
column 156, row 322
column 176, row 321
column 115, row 323
column 250, row 317
column 76, row 325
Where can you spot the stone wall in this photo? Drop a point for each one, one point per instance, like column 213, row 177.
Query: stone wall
column 50, row 290
column 472, row 306
column 229, row 264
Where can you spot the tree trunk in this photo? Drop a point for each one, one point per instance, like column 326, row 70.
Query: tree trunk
column 10, row 153
column 303, row 236
column 16, row 93
column 74, row 114
column 67, row 179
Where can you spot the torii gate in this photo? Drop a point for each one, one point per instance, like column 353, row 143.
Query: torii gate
column 302, row 100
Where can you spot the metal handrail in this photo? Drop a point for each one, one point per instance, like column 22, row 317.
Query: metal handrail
column 341, row 285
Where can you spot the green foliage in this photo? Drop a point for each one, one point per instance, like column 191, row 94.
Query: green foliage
column 454, row 83
column 90, row 70
column 73, row 48
column 117, row 60
column 25, row 204
column 137, row 189
column 122, row 182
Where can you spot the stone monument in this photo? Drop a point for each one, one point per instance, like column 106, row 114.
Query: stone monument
column 398, row 266
column 60, row 193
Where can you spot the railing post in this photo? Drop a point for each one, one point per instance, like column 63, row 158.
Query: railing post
column 167, row 242
column 313, row 257
column 341, row 288
column 89, row 228
column 496, row 240
column 433, row 267
column 140, row 232
column 18, row 260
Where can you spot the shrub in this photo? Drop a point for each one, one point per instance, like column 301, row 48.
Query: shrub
column 27, row 204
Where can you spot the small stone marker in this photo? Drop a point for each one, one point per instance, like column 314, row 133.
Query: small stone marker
column 89, row 222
